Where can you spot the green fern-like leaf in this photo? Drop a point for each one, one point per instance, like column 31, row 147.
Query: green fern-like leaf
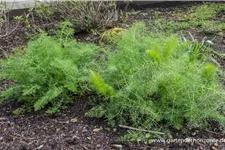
column 28, row 90
column 97, row 111
column 100, row 85
column 50, row 95
column 155, row 55
column 11, row 92
column 209, row 72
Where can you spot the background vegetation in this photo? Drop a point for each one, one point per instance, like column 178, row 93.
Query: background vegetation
column 207, row 18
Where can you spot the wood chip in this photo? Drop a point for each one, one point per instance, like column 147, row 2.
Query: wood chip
column 3, row 119
column 117, row 146
column 74, row 120
column 39, row 147
column 96, row 130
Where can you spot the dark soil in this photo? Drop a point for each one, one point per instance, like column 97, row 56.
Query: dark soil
column 71, row 129
column 68, row 130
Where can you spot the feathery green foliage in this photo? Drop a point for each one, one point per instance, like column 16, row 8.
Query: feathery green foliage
column 100, row 85
column 158, row 82
column 48, row 70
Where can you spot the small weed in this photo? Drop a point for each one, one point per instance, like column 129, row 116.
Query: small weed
column 124, row 16
column 136, row 136
column 42, row 10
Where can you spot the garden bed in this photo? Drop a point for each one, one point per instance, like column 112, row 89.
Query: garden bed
column 70, row 129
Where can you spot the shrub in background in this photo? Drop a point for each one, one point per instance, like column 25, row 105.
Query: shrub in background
column 48, row 70
column 156, row 82
column 85, row 15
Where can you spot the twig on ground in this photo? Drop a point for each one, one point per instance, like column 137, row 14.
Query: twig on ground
column 214, row 132
column 143, row 130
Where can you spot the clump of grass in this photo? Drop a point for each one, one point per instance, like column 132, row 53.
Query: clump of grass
column 157, row 82
column 48, row 71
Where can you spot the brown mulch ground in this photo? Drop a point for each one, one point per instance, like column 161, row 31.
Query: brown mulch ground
column 71, row 130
